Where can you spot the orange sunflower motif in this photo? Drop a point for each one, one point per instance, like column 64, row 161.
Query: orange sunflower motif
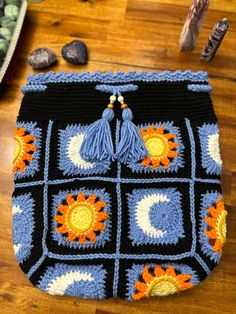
column 24, row 149
column 160, row 146
column 216, row 221
column 161, row 283
column 81, row 218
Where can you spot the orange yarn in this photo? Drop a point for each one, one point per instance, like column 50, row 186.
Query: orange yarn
column 81, row 218
column 159, row 145
column 216, row 226
column 24, row 149
column 161, row 282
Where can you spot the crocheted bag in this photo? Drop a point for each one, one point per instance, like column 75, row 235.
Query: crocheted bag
column 105, row 206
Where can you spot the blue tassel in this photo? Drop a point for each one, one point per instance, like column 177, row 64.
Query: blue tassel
column 131, row 146
column 97, row 144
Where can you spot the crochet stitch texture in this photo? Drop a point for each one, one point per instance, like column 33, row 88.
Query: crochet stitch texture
column 128, row 228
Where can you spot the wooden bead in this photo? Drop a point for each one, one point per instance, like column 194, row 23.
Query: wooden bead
column 110, row 106
column 121, row 99
column 123, row 106
column 112, row 98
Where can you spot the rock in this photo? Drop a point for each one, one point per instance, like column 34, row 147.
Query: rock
column 2, row 4
column 5, row 32
column 15, row 2
column 75, row 52
column 42, row 58
column 11, row 11
column 4, row 46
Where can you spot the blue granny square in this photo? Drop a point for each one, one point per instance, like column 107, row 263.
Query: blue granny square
column 25, row 157
column 70, row 160
column 210, row 150
column 23, row 225
column 155, row 216
column 73, row 280
column 103, row 235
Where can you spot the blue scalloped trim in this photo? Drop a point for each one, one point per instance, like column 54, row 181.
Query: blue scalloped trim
column 117, row 77
column 133, row 274
column 103, row 236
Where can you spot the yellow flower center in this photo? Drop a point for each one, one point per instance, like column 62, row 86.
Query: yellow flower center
column 80, row 217
column 157, row 145
column 163, row 286
column 18, row 148
column 221, row 226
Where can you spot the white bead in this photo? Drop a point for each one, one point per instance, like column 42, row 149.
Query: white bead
column 113, row 98
column 121, row 99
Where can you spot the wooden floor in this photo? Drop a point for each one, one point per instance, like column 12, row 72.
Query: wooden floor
column 123, row 35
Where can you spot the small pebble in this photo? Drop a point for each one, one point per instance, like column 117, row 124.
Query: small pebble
column 42, row 58
column 75, row 52
column 5, row 32
column 15, row 2
column 11, row 11
column 11, row 26
column 8, row 23
column 4, row 46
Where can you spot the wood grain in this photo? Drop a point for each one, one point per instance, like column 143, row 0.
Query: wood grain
column 123, row 35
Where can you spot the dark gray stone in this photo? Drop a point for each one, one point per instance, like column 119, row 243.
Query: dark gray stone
column 2, row 4
column 42, row 58
column 75, row 52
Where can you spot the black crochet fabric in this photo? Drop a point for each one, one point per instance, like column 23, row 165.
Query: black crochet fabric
column 144, row 228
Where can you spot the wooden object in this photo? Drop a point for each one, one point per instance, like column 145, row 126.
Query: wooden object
column 192, row 25
column 215, row 39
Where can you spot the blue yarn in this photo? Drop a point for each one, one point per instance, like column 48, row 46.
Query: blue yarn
column 131, row 146
column 97, row 144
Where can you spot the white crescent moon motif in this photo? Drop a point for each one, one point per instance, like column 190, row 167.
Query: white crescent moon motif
column 142, row 214
column 214, row 148
column 73, row 149
column 60, row 284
